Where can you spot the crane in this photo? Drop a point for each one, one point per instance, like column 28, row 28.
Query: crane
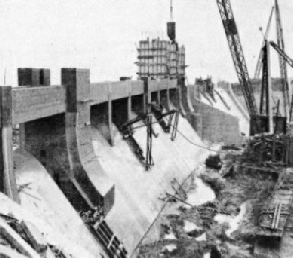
column 283, row 67
column 281, row 53
column 264, row 97
column 289, row 61
column 237, row 54
column 259, row 61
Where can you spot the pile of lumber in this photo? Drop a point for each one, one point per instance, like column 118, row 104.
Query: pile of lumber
column 276, row 211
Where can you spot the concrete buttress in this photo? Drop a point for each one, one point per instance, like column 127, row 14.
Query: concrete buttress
column 193, row 117
column 147, row 94
column 7, row 177
column 176, row 97
column 62, row 143
column 86, row 170
column 165, row 97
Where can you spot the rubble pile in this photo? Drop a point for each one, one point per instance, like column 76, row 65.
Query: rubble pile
column 233, row 185
column 267, row 150
column 92, row 216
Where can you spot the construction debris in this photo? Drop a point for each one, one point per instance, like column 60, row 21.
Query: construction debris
column 214, row 161
column 266, row 149
column 237, row 188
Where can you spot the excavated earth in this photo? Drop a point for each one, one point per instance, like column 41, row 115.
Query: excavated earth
column 239, row 192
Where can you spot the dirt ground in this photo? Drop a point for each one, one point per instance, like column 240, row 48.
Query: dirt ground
column 209, row 236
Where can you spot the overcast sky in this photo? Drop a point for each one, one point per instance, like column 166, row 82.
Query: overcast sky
column 101, row 35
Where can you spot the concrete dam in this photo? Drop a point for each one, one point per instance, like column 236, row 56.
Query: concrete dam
column 71, row 155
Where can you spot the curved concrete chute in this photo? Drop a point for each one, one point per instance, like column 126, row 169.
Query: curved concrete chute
column 79, row 176
column 85, row 167
column 186, row 101
column 101, row 118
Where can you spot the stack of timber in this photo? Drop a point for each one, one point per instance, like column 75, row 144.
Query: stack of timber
column 276, row 211
column 33, row 245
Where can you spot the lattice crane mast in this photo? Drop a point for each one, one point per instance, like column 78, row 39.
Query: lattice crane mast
column 281, row 53
column 289, row 61
column 237, row 54
column 283, row 67
column 260, row 57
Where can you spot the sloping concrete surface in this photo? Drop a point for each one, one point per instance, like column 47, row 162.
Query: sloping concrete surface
column 234, row 110
column 44, row 205
column 223, row 102
column 137, row 191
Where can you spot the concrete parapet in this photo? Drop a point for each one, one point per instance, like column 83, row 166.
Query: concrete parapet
column 30, row 103
column 137, row 88
column 33, row 77
column 7, row 177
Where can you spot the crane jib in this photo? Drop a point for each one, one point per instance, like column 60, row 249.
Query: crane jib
column 233, row 38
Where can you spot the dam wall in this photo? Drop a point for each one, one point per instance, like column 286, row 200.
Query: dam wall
column 74, row 131
column 220, row 121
